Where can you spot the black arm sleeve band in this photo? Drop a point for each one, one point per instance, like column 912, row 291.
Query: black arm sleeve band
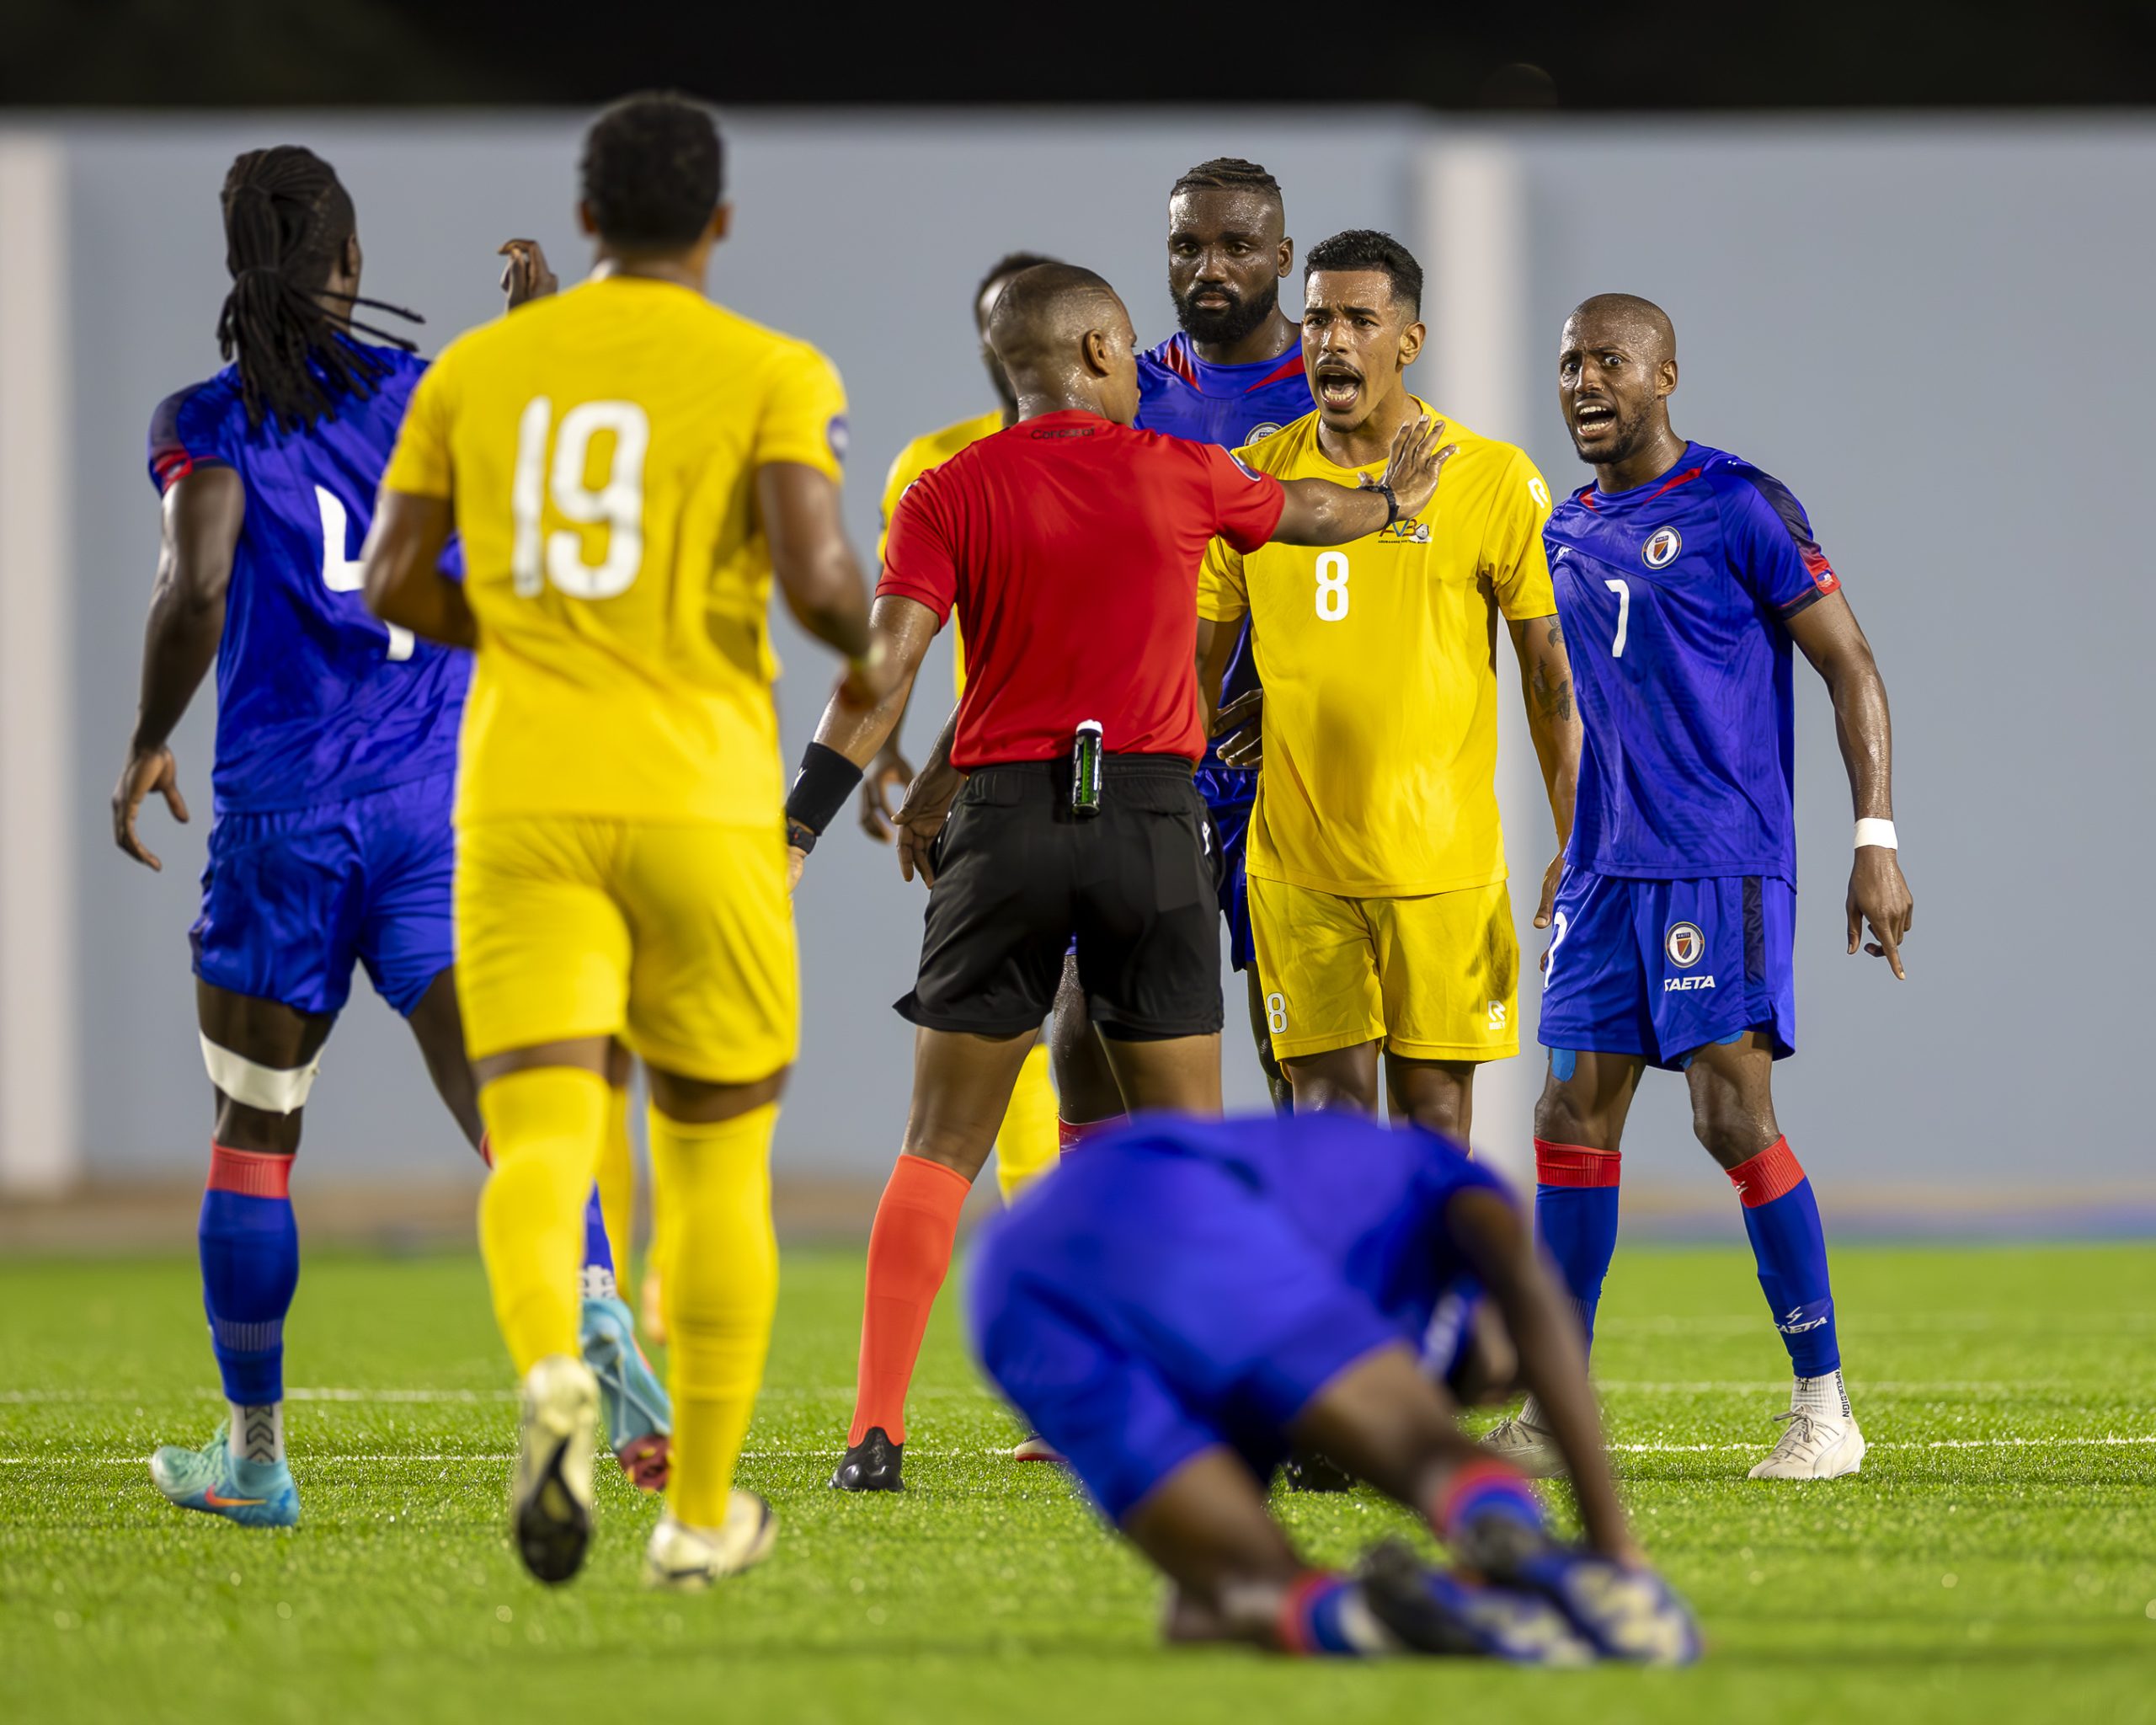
column 820, row 788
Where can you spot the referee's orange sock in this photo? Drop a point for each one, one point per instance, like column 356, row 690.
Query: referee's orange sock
column 909, row 1254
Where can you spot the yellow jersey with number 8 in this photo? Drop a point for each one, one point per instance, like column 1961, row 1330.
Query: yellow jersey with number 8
column 601, row 448
column 1380, row 722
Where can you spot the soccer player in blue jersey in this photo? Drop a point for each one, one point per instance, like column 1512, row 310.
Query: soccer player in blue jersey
column 1183, row 1300
column 1683, row 576
column 1231, row 374
column 336, row 751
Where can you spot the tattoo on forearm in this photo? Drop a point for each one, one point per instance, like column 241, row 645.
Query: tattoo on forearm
column 1552, row 702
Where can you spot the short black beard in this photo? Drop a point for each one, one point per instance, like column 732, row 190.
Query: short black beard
column 1232, row 321
column 1622, row 446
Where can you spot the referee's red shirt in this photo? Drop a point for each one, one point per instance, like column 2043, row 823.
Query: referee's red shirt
column 1070, row 546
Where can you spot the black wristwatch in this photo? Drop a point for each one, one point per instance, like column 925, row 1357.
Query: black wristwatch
column 801, row 836
column 1391, row 503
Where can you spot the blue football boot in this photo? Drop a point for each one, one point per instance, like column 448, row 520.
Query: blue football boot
column 1435, row 1612
column 639, row 1416
column 253, row 1493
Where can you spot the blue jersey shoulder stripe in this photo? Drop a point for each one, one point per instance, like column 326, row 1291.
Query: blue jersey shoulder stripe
column 1783, row 501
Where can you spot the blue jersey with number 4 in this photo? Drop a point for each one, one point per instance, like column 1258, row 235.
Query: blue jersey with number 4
column 1675, row 598
column 317, row 701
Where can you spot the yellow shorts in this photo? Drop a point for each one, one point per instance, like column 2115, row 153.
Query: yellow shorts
column 678, row 939
column 1434, row 978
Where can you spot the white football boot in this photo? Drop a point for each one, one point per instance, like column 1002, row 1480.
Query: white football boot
column 687, row 1560
column 550, row 1494
column 1529, row 1447
column 1813, row 1445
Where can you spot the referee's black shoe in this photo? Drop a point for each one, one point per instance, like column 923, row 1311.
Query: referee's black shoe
column 872, row 1465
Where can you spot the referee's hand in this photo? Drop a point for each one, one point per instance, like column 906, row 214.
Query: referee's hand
column 920, row 818
column 1417, row 459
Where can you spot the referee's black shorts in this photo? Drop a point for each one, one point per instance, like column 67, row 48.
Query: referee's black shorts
column 1020, row 877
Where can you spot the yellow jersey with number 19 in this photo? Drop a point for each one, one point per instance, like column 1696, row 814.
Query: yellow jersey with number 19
column 1381, row 725
column 600, row 450
column 929, row 451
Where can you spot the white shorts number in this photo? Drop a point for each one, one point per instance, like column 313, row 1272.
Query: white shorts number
column 615, row 503
column 1558, row 925
column 1332, row 586
column 1276, row 1013
column 341, row 574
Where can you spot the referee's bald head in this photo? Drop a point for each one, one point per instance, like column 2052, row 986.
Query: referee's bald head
column 1064, row 337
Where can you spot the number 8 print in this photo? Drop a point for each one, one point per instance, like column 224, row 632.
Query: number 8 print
column 1332, row 586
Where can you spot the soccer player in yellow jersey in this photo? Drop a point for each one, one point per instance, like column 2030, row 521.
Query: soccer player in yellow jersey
column 627, row 465
column 1377, row 870
column 1025, row 1146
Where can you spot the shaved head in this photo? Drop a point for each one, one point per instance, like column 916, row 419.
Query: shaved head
column 1044, row 312
column 1616, row 371
column 1058, row 328
column 1641, row 324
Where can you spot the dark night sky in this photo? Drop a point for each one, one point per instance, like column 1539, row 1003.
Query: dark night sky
column 1569, row 56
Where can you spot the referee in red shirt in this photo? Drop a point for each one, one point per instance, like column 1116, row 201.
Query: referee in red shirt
column 1070, row 545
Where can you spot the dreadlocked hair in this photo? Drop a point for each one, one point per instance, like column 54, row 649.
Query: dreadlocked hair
column 1227, row 174
column 287, row 217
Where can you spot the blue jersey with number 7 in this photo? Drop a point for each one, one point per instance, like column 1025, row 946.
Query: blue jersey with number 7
column 1675, row 598
column 317, row 701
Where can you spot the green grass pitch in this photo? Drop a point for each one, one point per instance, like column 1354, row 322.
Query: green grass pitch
column 1996, row 1559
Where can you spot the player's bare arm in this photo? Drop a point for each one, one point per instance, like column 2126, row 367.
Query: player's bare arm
column 1318, row 512
column 202, row 515
column 815, row 567
column 862, row 712
column 1553, row 720
column 1828, row 633
column 1546, row 1335
column 400, row 569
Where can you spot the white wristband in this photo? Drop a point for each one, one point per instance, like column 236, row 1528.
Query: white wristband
column 1876, row 832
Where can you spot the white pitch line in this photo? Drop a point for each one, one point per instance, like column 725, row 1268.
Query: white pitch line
column 315, row 1461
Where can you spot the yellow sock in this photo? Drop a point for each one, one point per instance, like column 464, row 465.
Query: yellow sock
column 1025, row 1145
column 617, row 1184
column 720, row 1259
column 545, row 1124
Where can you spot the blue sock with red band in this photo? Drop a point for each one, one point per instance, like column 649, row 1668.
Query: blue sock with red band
column 1782, row 1218
column 1576, row 1214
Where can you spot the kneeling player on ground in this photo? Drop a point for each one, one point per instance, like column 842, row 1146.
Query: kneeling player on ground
column 1184, row 1300
column 335, row 757
column 1683, row 575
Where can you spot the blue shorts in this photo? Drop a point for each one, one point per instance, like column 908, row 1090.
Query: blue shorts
column 1139, row 1306
column 292, row 899
column 1662, row 968
column 1231, row 794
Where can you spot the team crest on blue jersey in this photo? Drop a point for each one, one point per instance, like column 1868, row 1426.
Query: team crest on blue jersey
column 1661, row 548
column 1686, row 944
column 1260, row 431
